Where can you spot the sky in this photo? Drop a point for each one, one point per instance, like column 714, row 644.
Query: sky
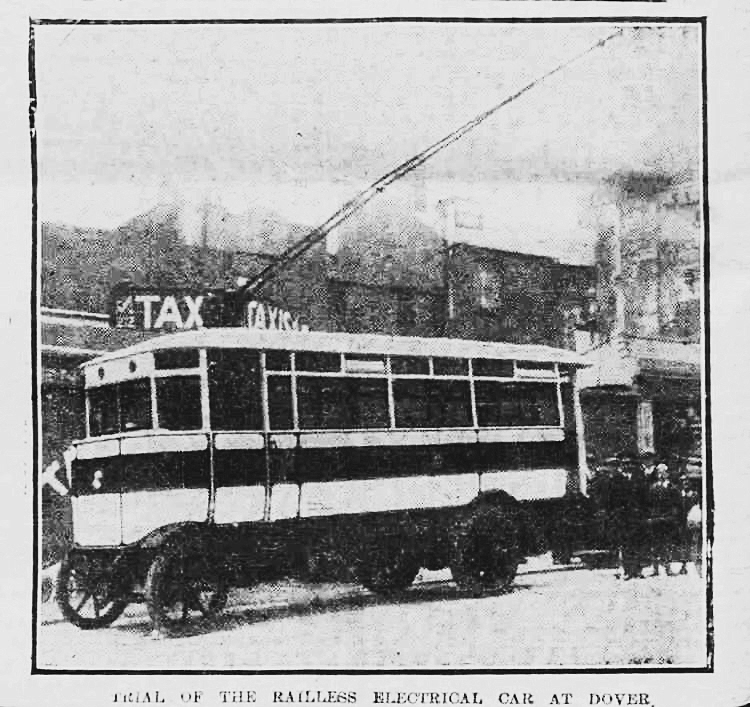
column 299, row 118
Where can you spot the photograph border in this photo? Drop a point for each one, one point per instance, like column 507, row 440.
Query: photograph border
column 709, row 509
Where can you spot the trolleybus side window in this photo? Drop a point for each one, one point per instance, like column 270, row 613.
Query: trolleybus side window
column 342, row 403
column 516, row 404
column 178, row 403
column 410, row 365
column 424, row 402
column 123, row 407
column 234, row 389
column 280, row 403
column 450, row 366
column 491, row 367
column 316, row 361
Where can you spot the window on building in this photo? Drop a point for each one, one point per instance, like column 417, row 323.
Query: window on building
column 178, row 403
column 234, row 389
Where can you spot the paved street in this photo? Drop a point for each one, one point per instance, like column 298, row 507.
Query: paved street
column 552, row 617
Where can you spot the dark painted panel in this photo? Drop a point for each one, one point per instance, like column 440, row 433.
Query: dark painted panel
column 96, row 476
column 373, row 462
column 141, row 472
column 170, row 470
column 244, row 467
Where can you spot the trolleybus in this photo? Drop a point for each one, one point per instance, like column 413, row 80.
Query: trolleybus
column 223, row 457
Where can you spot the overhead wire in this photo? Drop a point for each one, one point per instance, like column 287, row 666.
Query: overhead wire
column 354, row 204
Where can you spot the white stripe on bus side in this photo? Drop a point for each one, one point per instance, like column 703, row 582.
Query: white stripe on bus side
column 522, row 434
column 150, row 444
column 96, row 519
column 98, row 450
column 239, row 440
column 144, row 511
column 385, row 438
column 284, row 441
column 238, row 504
column 527, row 484
column 393, row 494
column 284, row 501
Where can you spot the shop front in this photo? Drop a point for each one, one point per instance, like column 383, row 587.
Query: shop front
column 643, row 397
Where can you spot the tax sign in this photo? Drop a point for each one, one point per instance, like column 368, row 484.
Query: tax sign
column 140, row 308
column 147, row 311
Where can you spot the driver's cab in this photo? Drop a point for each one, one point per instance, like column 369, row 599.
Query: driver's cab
column 145, row 461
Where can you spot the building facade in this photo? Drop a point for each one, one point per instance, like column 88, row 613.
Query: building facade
column 644, row 391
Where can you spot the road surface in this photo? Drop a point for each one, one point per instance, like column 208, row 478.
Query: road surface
column 550, row 618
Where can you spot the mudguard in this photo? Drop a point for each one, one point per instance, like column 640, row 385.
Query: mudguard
column 189, row 533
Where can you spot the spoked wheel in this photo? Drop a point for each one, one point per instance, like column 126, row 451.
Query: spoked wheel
column 486, row 556
column 391, row 566
column 89, row 595
column 179, row 583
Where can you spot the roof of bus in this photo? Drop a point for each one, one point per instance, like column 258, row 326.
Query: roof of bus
column 339, row 342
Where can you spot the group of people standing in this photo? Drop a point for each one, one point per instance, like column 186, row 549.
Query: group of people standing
column 650, row 514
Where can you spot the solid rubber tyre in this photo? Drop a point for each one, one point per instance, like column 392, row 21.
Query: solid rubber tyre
column 84, row 588
column 486, row 554
column 177, row 584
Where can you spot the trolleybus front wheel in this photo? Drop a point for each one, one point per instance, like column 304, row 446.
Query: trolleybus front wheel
column 179, row 582
column 486, row 555
column 89, row 595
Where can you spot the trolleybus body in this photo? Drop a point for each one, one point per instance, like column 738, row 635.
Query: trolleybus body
column 225, row 456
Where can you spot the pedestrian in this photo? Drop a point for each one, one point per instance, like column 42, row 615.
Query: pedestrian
column 664, row 519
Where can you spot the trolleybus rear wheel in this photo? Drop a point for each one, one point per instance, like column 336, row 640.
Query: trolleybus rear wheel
column 391, row 565
column 178, row 583
column 89, row 596
column 486, row 556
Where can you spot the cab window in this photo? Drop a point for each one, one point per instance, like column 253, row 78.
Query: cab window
column 124, row 407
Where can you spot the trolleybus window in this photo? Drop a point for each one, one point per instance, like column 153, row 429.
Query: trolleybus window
column 123, row 407
column 432, row 403
column 280, row 403
column 178, row 403
column 278, row 361
column 516, row 404
column 342, row 403
column 316, row 361
column 490, row 367
column 176, row 358
column 410, row 365
column 450, row 366
column 234, row 389
column 103, row 413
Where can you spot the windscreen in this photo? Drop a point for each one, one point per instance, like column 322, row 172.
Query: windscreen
column 123, row 407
